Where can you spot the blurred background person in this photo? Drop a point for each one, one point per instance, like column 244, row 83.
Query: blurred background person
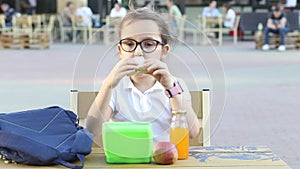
column 174, row 16
column 68, row 13
column 28, row 7
column 229, row 17
column 276, row 23
column 67, row 16
column 174, row 11
column 181, row 6
column 211, row 10
column 290, row 5
column 8, row 13
column 85, row 14
column 149, row 5
column 117, row 11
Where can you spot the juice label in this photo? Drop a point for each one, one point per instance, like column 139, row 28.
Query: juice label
column 180, row 137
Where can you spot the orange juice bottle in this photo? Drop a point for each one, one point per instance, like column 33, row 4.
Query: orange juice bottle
column 179, row 134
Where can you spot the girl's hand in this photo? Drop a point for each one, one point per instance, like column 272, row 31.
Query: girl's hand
column 159, row 70
column 125, row 67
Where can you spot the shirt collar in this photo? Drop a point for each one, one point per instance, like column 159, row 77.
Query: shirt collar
column 129, row 85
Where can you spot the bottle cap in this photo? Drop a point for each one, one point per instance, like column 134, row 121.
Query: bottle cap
column 178, row 112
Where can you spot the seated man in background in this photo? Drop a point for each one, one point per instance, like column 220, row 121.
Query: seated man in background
column 68, row 13
column 8, row 14
column 85, row 14
column 276, row 23
column 28, row 6
column 211, row 10
column 67, row 16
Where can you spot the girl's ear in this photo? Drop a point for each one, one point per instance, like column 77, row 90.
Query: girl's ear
column 119, row 48
column 165, row 50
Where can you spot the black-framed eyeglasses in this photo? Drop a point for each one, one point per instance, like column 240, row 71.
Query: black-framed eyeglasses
column 147, row 45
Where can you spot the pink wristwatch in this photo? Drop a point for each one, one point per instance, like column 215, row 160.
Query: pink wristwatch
column 176, row 89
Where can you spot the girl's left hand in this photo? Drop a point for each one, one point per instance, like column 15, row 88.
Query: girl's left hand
column 159, row 70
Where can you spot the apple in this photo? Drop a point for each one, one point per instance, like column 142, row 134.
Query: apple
column 165, row 153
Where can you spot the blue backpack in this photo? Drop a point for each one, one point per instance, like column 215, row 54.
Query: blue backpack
column 44, row 137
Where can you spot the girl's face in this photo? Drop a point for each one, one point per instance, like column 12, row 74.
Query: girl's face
column 144, row 31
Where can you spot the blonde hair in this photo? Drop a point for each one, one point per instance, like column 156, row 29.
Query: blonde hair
column 148, row 14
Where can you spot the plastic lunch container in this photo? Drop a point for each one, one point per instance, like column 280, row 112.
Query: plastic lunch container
column 127, row 142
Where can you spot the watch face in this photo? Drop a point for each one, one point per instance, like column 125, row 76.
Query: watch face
column 179, row 86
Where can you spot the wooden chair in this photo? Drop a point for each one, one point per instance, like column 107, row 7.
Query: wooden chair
column 110, row 30
column 22, row 24
column 207, row 27
column 3, row 27
column 36, row 21
column 234, row 29
column 18, row 35
column 183, row 29
column 80, row 103
column 42, row 36
column 63, row 30
column 96, row 31
column 85, row 31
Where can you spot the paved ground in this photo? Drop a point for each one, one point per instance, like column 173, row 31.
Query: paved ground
column 262, row 88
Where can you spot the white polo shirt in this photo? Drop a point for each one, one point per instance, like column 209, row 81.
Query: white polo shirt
column 230, row 14
column 86, row 14
column 130, row 104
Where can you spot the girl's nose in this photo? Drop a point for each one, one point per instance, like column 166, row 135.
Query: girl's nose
column 138, row 51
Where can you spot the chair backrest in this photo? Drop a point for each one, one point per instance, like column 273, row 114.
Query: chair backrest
column 236, row 22
column 207, row 23
column 235, row 25
column 111, row 29
column 112, row 21
column 180, row 26
column 22, row 21
column 51, row 22
column 80, row 103
column 36, row 20
column 2, row 21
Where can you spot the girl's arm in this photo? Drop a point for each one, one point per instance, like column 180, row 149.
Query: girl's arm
column 183, row 101
column 100, row 111
column 178, row 102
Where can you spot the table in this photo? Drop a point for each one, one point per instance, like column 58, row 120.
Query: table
column 215, row 157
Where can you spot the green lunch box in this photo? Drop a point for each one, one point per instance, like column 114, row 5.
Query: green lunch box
column 127, row 142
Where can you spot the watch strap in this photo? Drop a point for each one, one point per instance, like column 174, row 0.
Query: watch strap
column 176, row 89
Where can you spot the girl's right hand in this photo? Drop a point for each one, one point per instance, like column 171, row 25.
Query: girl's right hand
column 125, row 67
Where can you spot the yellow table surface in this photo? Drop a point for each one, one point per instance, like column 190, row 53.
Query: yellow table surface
column 215, row 157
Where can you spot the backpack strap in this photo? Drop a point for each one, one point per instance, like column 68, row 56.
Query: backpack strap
column 42, row 152
column 70, row 165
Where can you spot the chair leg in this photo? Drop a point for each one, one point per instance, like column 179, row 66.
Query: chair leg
column 84, row 31
column 220, row 37
column 195, row 37
column 235, row 37
column 74, row 38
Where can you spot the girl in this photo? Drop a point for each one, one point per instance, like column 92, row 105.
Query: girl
column 146, row 91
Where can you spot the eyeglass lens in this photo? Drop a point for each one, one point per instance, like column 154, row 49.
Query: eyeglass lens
column 147, row 45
